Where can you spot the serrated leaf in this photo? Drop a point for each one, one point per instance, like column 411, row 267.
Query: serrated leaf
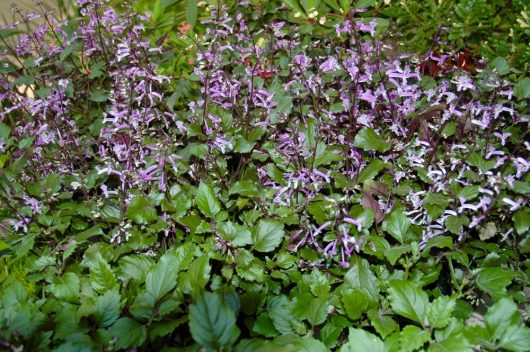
column 207, row 200
column 263, row 326
column 237, row 235
column 317, row 311
column 454, row 223
column 367, row 139
column 279, row 310
column 408, row 300
column 162, row 277
column 521, row 220
column 164, row 328
column 141, row 211
column 360, row 340
column 267, row 235
column 501, row 316
column 359, row 276
column 356, row 302
column 66, row 287
column 318, row 283
column 197, row 275
column 383, row 324
column 494, row 280
column 454, row 342
column 134, row 266
column 397, row 225
column 212, row 322
column 412, row 338
column 515, row 338
column 102, row 277
column 128, row 332
column 440, row 310
column 107, row 308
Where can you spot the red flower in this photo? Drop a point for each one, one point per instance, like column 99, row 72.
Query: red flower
column 184, row 27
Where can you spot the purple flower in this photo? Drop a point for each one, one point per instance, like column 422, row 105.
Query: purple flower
column 367, row 27
column 463, row 83
column 330, row 65
column 303, row 61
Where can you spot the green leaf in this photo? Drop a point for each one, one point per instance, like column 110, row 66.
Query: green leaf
column 99, row 96
column 4, row 131
column 359, row 276
column 318, row 283
column 134, row 266
column 362, row 4
column 494, row 280
column 267, row 235
column 162, row 277
column 383, row 324
column 356, row 302
column 397, row 224
column 212, row 322
column 317, row 311
column 128, row 332
column 469, row 192
column 245, row 188
column 501, row 65
column 515, row 338
column 453, row 342
column 440, row 310
column 191, row 12
column 412, row 338
column 367, row 139
column 521, row 220
column 140, row 211
column 454, row 223
column 66, row 287
column 408, row 300
column 164, row 328
column 107, row 308
column 522, row 89
column 237, row 235
column 279, row 309
column 197, row 275
column 263, row 326
column 207, row 201
column 501, row 316
column 102, row 278
column 329, row 335
column 360, row 340
column 370, row 171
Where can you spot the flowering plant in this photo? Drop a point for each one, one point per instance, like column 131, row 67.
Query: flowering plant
column 301, row 188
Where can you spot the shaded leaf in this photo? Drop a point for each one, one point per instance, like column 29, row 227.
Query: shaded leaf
column 211, row 321
column 408, row 300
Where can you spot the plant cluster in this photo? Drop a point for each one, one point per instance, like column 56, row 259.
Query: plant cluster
column 302, row 188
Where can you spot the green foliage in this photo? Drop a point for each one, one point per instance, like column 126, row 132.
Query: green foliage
column 212, row 321
column 213, row 265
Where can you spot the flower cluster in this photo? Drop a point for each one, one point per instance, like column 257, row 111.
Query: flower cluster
column 353, row 131
column 89, row 102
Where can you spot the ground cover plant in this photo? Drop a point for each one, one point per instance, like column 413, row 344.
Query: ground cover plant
column 295, row 181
